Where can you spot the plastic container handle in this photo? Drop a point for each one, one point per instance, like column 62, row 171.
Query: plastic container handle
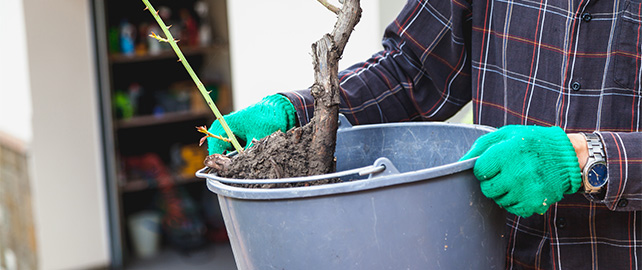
column 381, row 167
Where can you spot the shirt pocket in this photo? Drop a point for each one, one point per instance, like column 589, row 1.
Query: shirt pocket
column 627, row 54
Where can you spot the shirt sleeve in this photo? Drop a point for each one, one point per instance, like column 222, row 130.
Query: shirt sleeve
column 624, row 161
column 423, row 72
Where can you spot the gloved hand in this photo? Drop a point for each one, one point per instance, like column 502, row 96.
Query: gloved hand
column 272, row 113
column 525, row 169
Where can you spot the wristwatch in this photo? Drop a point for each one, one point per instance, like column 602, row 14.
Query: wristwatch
column 595, row 172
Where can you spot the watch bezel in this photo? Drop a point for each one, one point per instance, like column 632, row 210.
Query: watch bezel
column 588, row 186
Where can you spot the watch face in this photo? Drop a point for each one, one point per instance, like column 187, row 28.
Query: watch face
column 597, row 174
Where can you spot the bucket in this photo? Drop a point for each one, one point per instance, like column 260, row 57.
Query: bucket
column 144, row 228
column 405, row 203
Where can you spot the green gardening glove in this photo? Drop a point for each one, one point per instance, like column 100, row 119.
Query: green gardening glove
column 525, row 169
column 272, row 113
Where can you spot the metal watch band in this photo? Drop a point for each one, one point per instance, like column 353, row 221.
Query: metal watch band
column 595, row 155
column 595, row 147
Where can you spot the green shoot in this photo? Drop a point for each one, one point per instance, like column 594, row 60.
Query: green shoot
column 204, row 130
column 181, row 58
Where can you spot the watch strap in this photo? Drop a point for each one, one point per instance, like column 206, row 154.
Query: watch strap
column 595, row 155
column 595, row 147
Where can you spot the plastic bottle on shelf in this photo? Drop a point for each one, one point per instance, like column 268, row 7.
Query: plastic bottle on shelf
column 205, row 30
column 141, row 45
column 114, row 40
column 135, row 91
column 127, row 37
column 190, row 29
column 122, row 105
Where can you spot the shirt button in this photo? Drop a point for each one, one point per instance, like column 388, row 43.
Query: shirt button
column 623, row 203
column 587, row 17
column 576, row 86
column 561, row 223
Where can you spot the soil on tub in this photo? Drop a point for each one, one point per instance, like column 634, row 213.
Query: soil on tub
column 280, row 155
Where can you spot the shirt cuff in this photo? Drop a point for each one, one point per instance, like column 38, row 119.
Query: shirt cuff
column 624, row 162
column 303, row 104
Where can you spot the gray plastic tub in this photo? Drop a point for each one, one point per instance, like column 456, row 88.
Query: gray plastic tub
column 406, row 204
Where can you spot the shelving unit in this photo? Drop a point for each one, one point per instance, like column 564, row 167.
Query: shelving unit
column 150, row 107
column 117, row 58
column 167, row 118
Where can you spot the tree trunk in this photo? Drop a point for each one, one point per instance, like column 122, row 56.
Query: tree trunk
column 327, row 52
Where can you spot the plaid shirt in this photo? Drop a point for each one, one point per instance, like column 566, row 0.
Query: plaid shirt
column 573, row 63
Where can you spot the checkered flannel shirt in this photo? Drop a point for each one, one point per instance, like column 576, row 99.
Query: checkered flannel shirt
column 573, row 63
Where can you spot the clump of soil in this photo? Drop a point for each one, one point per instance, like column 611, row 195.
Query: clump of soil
column 280, row 155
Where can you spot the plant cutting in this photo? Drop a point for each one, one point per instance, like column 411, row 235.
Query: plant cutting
column 301, row 151
column 181, row 58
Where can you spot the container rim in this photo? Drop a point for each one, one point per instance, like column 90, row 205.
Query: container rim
column 338, row 188
column 215, row 185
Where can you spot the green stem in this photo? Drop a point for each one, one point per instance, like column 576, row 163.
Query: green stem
column 195, row 78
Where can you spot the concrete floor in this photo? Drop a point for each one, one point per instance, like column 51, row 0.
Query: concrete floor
column 214, row 257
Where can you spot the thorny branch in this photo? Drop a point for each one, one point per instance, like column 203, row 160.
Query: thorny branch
column 181, row 58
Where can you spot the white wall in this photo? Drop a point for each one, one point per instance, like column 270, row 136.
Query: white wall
column 270, row 42
column 15, row 103
column 388, row 11
column 66, row 163
column 48, row 99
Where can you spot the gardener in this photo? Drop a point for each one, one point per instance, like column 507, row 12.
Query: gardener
column 544, row 72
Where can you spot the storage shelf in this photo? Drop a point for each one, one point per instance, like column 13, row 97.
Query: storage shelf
column 165, row 118
column 162, row 81
column 119, row 58
column 133, row 185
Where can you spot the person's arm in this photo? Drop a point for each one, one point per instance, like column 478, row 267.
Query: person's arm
column 623, row 152
column 527, row 168
column 423, row 73
column 581, row 148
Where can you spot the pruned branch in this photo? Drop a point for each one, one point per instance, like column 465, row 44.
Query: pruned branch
column 327, row 52
column 348, row 19
column 329, row 6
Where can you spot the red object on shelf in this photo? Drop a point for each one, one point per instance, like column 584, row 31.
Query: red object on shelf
column 190, row 28
column 180, row 221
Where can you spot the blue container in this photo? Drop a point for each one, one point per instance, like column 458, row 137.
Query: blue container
column 406, row 203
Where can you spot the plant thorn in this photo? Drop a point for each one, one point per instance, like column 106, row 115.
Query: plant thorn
column 157, row 37
column 146, row 8
column 203, row 129
column 169, row 26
